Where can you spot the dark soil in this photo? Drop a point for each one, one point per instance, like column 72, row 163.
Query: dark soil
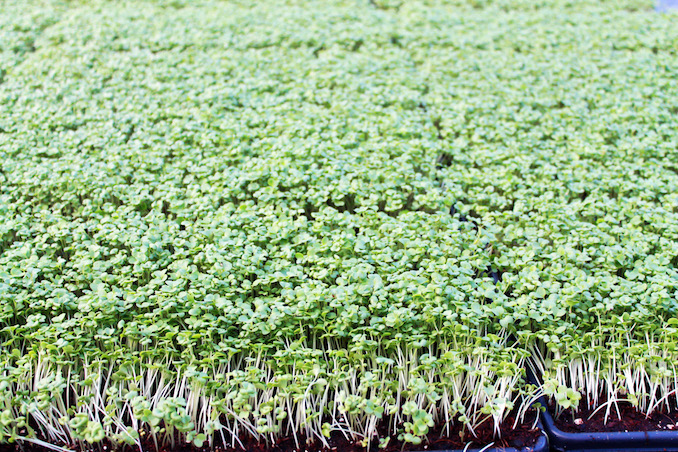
column 520, row 437
column 631, row 420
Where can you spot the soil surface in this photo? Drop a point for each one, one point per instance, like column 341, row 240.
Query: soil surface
column 521, row 437
column 631, row 420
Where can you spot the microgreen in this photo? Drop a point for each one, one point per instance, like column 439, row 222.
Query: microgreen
column 223, row 220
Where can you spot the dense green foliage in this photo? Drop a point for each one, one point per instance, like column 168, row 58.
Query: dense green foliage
column 221, row 220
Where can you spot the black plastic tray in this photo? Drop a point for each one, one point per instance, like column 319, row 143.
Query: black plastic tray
column 658, row 441
column 560, row 441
